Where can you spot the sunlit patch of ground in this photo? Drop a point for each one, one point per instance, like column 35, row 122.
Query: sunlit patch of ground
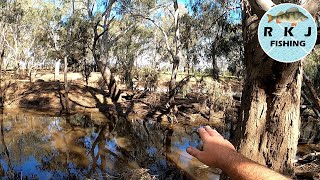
column 44, row 94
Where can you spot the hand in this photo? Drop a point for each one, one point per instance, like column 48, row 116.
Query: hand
column 215, row 148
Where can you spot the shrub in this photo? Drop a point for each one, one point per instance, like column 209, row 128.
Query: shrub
column 150, row 77
column 312, row 68
column 220, row 96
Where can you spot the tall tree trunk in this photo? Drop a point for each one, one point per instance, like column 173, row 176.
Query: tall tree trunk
column 2, row 36
column 269, row 117
column 66, row 87
column 268, row 126
column 108, row 78
column 102, row 66
column 73, row 6
column 175, row 55
column 174, row 72
column 105, row 44
column 56, row 70
column 215, row 69
column 154, row 60
column 188, row 65
column 128, row 73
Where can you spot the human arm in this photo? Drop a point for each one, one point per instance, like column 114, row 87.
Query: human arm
column 220, row 153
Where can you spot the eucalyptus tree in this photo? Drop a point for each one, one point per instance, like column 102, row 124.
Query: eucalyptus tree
column 268, row 126
column 35, row 30
column 166, row 17
column 189, row 40
column 104, row 38
column 27, row 34
column 10, row 14
column 11, row 21
column 10, row 17
column 176, row 49
column 217, row 32
column 136, row 43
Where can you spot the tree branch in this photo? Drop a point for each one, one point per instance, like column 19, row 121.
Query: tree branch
column 265, row 4
column 105, row 30
column 216, row 20
column 160, row 28
column 108, row 9
column 114, row 40
column 313, row 94
column 176, row 25
column 259, row 7
column 8, row 45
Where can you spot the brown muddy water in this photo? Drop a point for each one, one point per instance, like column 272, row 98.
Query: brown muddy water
column 80, row 147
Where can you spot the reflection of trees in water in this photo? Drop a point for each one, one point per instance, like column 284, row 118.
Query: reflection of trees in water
column 137, row 145
column 149, row 143
column 5, row 148
column 29, row 138
column 73, row 148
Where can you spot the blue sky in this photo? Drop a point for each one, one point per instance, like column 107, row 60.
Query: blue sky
column 185, row 2
column 235, row 15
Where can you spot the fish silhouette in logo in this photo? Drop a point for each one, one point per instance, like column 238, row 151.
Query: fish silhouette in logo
column 292, row 15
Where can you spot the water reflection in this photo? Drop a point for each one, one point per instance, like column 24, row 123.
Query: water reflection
column 40, row 147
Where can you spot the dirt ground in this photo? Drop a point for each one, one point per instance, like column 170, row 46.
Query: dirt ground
column 46, row 95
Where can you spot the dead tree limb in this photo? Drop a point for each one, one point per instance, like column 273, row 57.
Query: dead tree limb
column 168, row 106
column 305, row 97
column 313, row 94
column 173, row 92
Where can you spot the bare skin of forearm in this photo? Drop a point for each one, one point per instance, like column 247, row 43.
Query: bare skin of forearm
column 239, row 167
column 220, row 153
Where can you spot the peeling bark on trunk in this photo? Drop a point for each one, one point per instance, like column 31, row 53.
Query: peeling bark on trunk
column 268, row 127
column 269, row 117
